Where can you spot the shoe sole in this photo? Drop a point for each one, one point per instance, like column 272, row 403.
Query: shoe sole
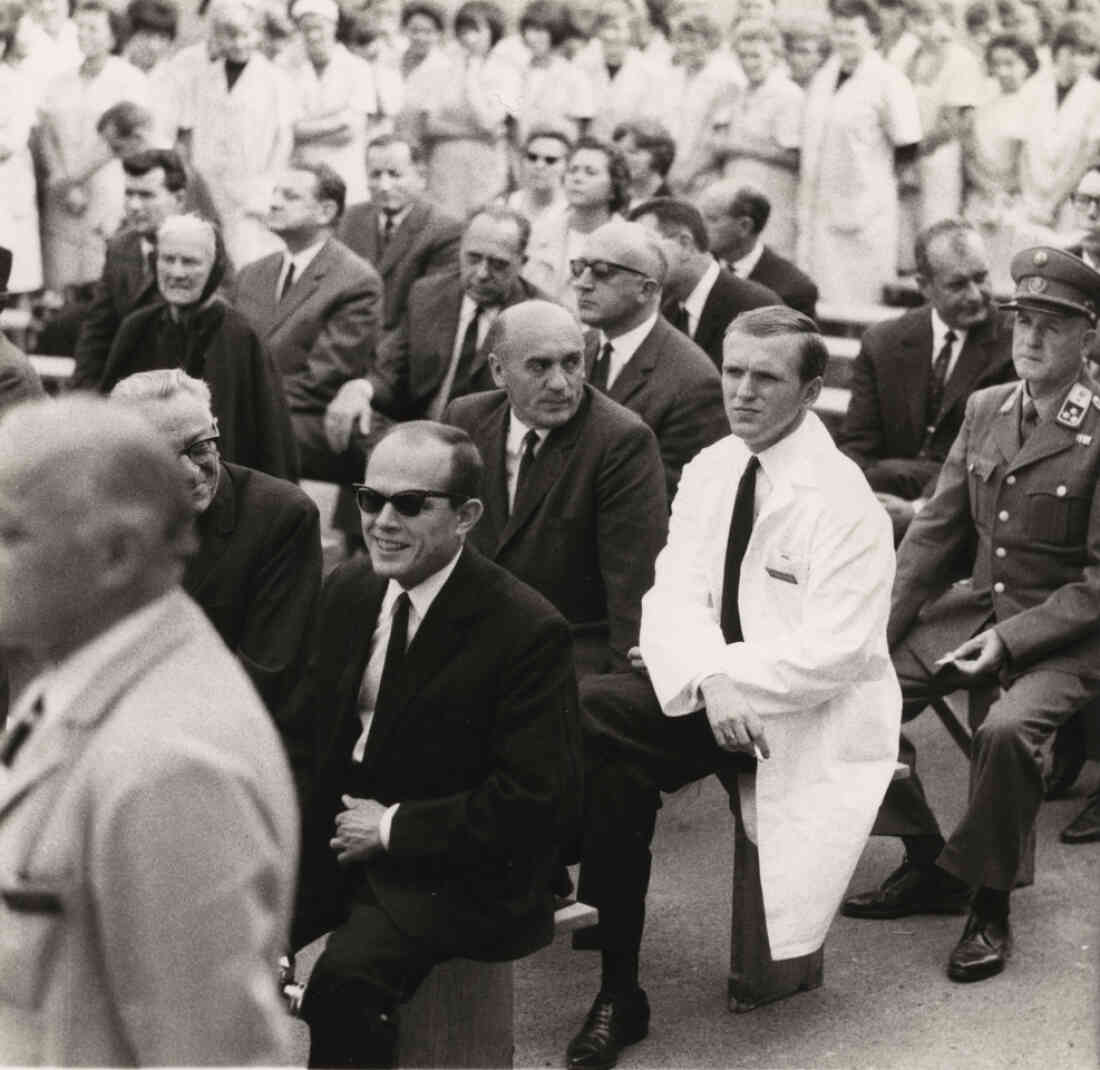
column 965, row 975
column 624, row 1042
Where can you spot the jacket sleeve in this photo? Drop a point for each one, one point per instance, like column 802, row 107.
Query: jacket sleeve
column 98, row 327
column 442, row 253
column 861, row 436
column 390, row 374
column 269, row 444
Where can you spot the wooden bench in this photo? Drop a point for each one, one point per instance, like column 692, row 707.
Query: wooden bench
column 463, row 1013
column 53, row 370
column 755, row 978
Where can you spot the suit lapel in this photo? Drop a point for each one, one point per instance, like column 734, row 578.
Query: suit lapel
column 913, row 370
column 427, row 367
column 637, row 370
column 262, row 294
column 496, row 488
column 216, row 527
column 371, row 242
column 1049, row 436
column 402, row 238
column 544, row 473
column 711, row 318
column 305, row 287
column 973, row 360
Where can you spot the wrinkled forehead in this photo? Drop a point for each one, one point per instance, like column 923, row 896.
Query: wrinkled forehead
column 193, row 242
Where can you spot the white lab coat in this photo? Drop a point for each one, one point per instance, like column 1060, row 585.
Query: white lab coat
column 814, row 598
column 848, row 196
column 19, row 203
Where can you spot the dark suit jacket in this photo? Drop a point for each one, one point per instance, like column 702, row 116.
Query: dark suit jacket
column 673, row 386
column 324, row 331
column 483, row 757
column 425, row 243
column 126, row 284
column 257, row 576
column 728, row 298
column 244, row 385
column 793, row 285
column 589, row 523
column 414, row 358
column 18, row 379
column 890, row 381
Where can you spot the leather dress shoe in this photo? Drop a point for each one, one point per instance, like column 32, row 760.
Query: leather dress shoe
column 612, row 1024
column 1085, row 827
column 910, row 889
column 1063, row 773
column 982, row 950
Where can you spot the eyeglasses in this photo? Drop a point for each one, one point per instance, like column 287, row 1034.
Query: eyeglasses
column 601, row 269
column 406, row 502
column 202, row 450
column 1085, row 202
column 534, row 157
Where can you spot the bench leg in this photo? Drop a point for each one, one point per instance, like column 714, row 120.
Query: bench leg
column 754, row 977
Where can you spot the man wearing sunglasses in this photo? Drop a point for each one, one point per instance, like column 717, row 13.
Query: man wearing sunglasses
column 574, row 488
column 257, row 572
column 441, row 756
column 639, row 359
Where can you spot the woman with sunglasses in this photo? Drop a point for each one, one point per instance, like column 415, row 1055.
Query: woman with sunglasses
column 193, row 327
column 597, row 190
column 542, row 169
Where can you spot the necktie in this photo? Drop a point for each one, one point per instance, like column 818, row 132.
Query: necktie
column 731, row 267
column 678, row 317
column 466, row 356
column 392, row 683
column 601, row 370
column 151, row 263
column 740, row 530
column 287, row 282
column 526, row 462
column 939, row 380
column 19, row 732
column 1029, row 417
column 387, row 227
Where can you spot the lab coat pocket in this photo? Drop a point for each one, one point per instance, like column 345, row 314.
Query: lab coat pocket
column 32, row 913
column 783, row 583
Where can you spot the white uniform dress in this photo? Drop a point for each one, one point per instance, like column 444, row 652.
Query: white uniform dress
column 814, row 665
column 18, row 198
column 848, row 197
column 636, row 91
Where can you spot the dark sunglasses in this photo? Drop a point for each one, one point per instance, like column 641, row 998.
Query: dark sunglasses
column 406, row 502
column 601, row 269
column 534, row 157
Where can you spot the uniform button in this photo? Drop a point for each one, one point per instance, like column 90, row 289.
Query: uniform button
column 999, row 587
column 1000, row 551
column 1002, row 515
column 1061, row 491
column 1011, row 481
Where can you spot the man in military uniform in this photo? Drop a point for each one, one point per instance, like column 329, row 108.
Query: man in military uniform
column 1016, row 510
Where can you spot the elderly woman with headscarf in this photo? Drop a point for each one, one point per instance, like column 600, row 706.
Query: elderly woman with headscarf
column 193, row 327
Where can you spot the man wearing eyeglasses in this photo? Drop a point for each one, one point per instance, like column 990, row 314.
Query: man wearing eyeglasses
column 440, row 756
column 639, row 359
column 257, row 572
column 1086, row 202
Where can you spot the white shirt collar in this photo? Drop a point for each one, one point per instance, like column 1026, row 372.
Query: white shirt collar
column 61, row 683
column 421, row 596
column 398, row 217
column 697, row 299
column 517, row 432
column 626, row 345
column 304, row 257
column 939, row 336
column 745, row 266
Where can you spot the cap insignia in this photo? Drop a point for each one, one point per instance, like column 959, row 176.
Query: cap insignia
column 1040, row 258
column 1036, row 284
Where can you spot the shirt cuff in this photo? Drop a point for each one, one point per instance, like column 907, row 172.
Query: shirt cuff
column 385, row 823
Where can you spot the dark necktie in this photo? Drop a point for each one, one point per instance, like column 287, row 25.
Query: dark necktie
column 731, row 267
column 466, row 355
column 740, row 530
column 387, row 227
column 938, row 381
column 151, row 263
column 1029, row 418
column 19, row 732
column 392, row 684
column 601, row 370
column 678, row 317
column 526, row 462
column 287, row 282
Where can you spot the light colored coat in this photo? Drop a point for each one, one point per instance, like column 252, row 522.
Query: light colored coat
column 148, row 845
column 814, row 600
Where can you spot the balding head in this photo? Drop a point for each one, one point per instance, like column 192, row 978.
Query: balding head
column 102, row 518
column 618, row 277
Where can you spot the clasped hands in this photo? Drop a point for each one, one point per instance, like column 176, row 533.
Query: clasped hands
column 358, row 830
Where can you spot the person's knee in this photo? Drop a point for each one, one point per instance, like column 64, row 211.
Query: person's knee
column 1005, row 728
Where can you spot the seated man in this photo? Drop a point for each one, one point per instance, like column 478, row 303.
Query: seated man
column 439, row 760
column 574, row 489
column 1016, row 510
column 735, row 217
column 257, row 572
column 913, row 374
column 765, row 635
column 700, row 296
column 315, row 308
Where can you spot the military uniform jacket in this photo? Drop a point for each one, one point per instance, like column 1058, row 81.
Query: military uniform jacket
column 1024, row 524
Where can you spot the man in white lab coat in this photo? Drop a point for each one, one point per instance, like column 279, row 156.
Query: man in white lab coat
column 764, row 633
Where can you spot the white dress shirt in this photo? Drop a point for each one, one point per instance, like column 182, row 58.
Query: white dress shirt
column 745, row 266
column 466, row 313
column 939, row 336
column 421, row 598
column 301, row 260
column 697, row 299
column 626, row 345
column 513, row 452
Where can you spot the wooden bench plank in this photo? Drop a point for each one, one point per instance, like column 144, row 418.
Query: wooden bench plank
column 59, row 368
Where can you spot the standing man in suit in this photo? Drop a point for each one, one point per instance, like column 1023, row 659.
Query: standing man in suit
column 765, row 629
column 257, row 571
column 643, row 362
column 700, row 297
column 437, row 352
column 574, row 488
column 316, row 308
column 156, row 185
column 400, row 232
column 735, row 217
column 18, row 379
column 913, row 374
column 1016, row 513
column 148, row 825
column 445, row 755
